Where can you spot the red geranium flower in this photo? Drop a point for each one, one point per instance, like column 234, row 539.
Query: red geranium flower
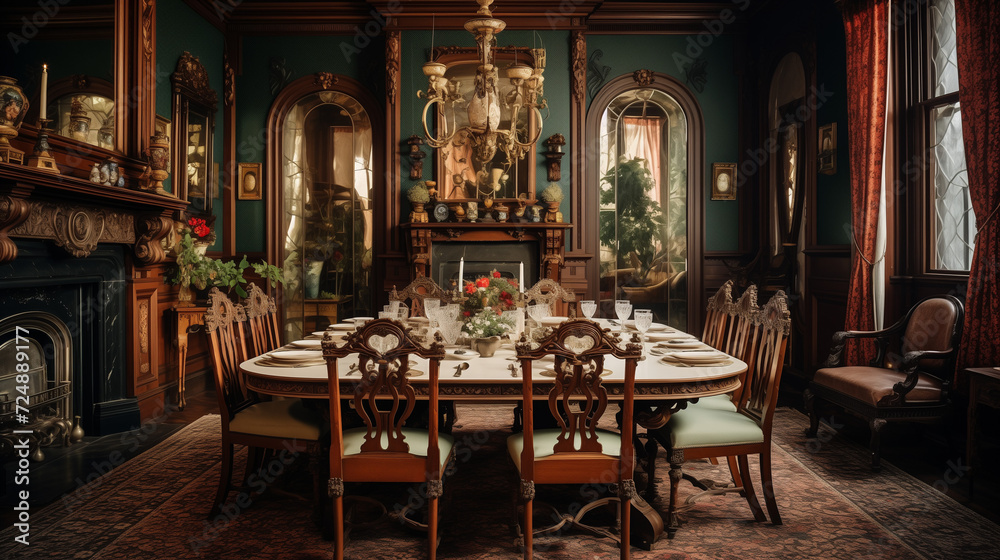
column 470, row 288
column 467, row 313
column 496, row 274
column 483, row 282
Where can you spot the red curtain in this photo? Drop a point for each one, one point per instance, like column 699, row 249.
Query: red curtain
column 977, row 23
column 866, row 26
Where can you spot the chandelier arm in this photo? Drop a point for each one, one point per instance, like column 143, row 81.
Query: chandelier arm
column 431, row 140
column 538, row 132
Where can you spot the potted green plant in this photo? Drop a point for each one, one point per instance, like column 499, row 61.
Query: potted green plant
column 552, row 196
column 636, row 230
column 418, row 195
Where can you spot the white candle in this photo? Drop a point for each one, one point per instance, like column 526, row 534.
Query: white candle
column 461, row 274
column 520, row 277
column 45, row 91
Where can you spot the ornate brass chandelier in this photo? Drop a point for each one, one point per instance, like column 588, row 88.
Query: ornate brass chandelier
column 489, row 108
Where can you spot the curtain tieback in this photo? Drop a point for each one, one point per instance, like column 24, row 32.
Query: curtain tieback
column 981, row 226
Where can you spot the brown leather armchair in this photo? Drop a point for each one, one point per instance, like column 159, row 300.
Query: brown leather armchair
column 909, row 378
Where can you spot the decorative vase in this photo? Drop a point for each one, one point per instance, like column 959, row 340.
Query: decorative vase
column 313, row 271
column 158, row 158
column 77, row 433
column 486, row 346
column 185, row 297
column 13, row 106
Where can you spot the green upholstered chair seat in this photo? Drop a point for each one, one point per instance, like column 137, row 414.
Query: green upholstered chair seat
column 712, row 428
column 283, row 419
column 415, row 438
column 611, row 443
column 715, row 402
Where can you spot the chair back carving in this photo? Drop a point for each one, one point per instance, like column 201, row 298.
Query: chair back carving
column 717, row 316
column 263, row 319
column 550, row 292
column 579, row 348
column 224, row 323
column 417, row 291
column 934, row 323
column 383, row 396
column 742, row 315
column 772, row 325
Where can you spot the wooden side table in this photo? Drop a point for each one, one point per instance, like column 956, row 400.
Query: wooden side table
column 189, row 320
column 984, row 388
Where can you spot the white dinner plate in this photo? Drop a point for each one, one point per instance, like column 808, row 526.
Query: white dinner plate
column 697, row 357
column 294, row 355
column 307, row 343
column 357, row 319
column 341, row 327
column 419, row 320
column 460, row 354
column 653, row 327
column 659, row 337
column 552, row 321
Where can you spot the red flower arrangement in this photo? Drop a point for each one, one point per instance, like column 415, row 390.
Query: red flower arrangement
column 199, row 229
column 492, row 291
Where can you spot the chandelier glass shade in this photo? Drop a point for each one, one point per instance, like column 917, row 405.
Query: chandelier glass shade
column 500, row 117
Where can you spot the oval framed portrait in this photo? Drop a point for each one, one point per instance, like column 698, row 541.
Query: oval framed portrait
column 251, row 184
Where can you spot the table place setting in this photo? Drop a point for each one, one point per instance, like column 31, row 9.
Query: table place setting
column 460, row 354
column 292, row 358
column 308, row 343
column 695, row 358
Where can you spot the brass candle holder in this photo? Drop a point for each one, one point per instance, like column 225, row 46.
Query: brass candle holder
column 41, row 159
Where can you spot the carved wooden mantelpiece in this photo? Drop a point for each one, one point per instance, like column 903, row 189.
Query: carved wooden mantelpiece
column 77, row 215
column 550, row 238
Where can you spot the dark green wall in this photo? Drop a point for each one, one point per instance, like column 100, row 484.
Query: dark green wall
column 288, row 58
column 718, row 100
column 180, row 29
column 833, row 192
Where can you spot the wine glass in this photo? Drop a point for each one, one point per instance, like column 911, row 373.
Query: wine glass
column 589, row 308
column 623, row 308
column 643, row 320
column 430, row 306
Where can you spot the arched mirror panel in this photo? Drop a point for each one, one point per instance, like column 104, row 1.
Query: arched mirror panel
column 787, row 116
column 328, row 219
column 648, row 141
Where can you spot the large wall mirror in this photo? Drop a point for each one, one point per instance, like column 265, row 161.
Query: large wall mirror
column 327, row 163
column 459, row 175
column 194, row 104
column 77, row 44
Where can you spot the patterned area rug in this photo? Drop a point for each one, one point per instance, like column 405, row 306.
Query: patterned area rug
column 155, row 506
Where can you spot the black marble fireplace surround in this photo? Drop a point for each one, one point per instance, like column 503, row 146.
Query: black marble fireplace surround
column 88, row 296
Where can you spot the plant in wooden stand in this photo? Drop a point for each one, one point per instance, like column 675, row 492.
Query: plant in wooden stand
column 418, row 196
column 637, row 230
column 552, row 196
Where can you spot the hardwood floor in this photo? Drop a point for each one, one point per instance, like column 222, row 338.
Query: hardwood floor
column 932, row 454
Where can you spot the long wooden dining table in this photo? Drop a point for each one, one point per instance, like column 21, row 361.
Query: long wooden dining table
column 497, row 378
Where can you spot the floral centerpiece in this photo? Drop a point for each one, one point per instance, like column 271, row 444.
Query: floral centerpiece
column 485, row 329
column 493, row 291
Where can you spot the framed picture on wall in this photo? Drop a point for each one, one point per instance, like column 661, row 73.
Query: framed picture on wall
column 828, row 149
column 250, row 185
column 162, row 127
column 723, row 181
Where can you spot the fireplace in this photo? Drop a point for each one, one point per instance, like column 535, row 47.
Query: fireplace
column 483, row 257
column 71, row 315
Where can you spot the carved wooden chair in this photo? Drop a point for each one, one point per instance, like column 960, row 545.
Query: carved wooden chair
column 703, row 432
column 385, row 449
column 717, row 317
column 417, row 291
column 279, row 425
column 576, row 451
column 550, row 292
column 738, row 341
column 262, row 316
column 909, row 377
